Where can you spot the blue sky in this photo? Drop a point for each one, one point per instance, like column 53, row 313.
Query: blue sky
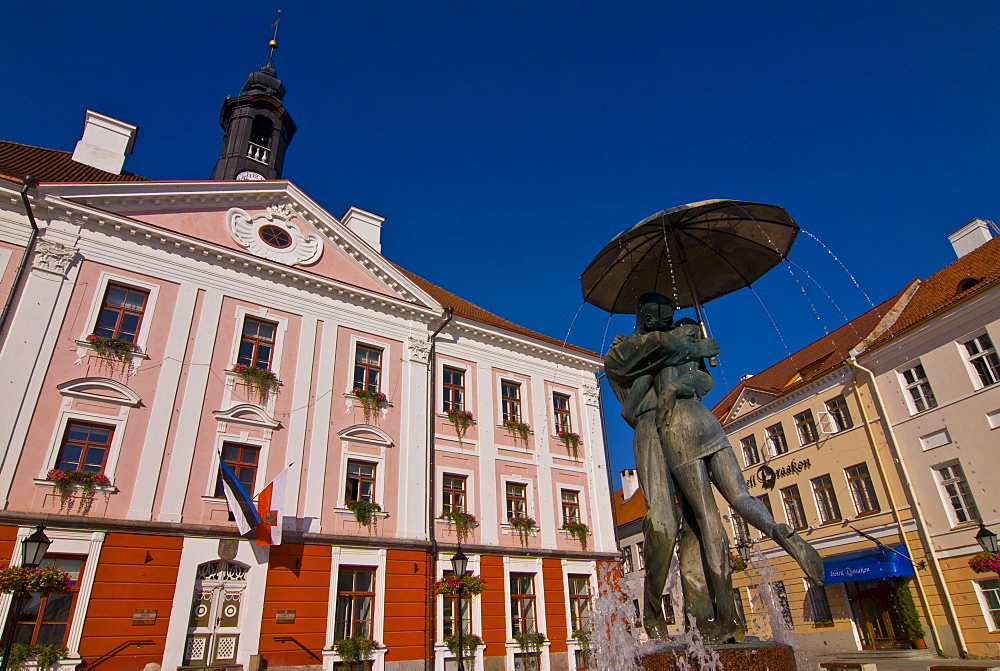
column 507, row 143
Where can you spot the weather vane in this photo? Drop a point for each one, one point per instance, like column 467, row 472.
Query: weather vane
column 273, row 44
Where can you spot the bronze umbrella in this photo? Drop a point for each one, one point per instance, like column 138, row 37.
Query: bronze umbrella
column 692, row 253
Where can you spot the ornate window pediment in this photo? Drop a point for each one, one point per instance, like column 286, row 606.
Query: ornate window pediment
column 247, row 413
column 273, row 236
column 362, row 433
column 99, row 389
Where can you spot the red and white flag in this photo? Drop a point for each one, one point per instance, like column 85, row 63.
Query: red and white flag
column 270, row 505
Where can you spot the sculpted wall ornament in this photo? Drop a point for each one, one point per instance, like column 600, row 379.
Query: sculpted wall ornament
column 273, row 236
column 53, row 257
column 419, row 350
column 591, row 395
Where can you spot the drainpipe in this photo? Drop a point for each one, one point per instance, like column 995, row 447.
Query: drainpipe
column 449, row 312
column 29, row 183
column 918, row 514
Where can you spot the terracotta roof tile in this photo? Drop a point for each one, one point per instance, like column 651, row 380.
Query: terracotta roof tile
column 464, row 308
column 52, row 165
column 627, row 511
column 812, row 361
column 940, row 291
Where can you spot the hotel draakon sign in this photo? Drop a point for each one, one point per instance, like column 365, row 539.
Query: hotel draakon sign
column 766, row 476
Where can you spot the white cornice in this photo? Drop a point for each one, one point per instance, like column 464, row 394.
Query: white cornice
column 785, row 400
column 489, row 334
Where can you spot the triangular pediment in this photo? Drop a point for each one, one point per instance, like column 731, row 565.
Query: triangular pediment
column 749, row 400
column 272, row 221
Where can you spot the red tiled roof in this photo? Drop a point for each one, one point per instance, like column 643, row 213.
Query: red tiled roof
column 812, row 361
column 464, row 308
column 940, row 291
column 627, row 511
column 52, row 165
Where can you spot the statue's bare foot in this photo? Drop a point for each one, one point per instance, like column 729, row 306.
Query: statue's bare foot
column 801, row 551
column 722, row 630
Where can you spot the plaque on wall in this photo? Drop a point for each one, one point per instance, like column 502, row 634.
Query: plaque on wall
column 285, row 617
column 228, row 548
column 141, row 616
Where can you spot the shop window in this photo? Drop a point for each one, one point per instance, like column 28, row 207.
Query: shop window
column 256, row 343
column 453, row 493
column 918, row 389
column 510, row 400
column 750, row 453
column 560, row 408
column 367, row 368
column 522, row 603
column 355, row 603
column 862, row 490
column 121, row 313
column 452, row 389
column 957, row 493
column 841, row 415
column 45, row 618
column 84, row 447
column 826, row 499
column 982, row 357
column 776, row 442
column 806, row 427
column 990, row 591
column 794, row 512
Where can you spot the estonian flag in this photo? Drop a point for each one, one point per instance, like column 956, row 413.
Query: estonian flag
column 271, row 506
column 240, row 505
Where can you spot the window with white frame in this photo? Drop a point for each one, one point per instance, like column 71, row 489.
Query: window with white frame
column 806, row 427
column 256, row 343
column 776, row 442
column 750, row 453
column 44, row 619
column 360, row 481
column 982, row 358
column 957, row 493
column 517, row 500
column 510, row 400
column 826, row 499
column 859, row 481
column 919, row 395
column 522, row 603
column 562, row 419
column 121, row 313
column 85, row 447
column 640, row 554
column 627, row 565
column 452, row 389
column 989, row 592
column 570, row 506
column 367, row 368
column 355, row 602
column 453, row 493
column 579, row 603
column 839, row 412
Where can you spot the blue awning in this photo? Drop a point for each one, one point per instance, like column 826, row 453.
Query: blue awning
column 877, row 562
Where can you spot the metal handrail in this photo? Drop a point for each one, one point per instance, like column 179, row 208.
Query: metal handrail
column 291, row 639
column 114, row 651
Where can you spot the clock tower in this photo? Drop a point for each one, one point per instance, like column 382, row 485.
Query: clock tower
column 258, row 127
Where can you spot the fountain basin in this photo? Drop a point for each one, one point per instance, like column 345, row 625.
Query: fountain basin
column 734, row 657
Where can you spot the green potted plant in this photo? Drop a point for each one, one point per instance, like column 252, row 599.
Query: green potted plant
column 470, row 643
column 828, row 622
column 260, row 383
column 40, row 579
column 579, row 531
column 571, row 441
column 461, row 420
column 45, row 656
column 529, row 641
column 365, row 512
column 85, row 481
column 463, row 522
column 114, row 352
column 370, row 401
column 736, row 563
column 520, row 430
column 355, row 649
column 523, row 525
column 909, row 619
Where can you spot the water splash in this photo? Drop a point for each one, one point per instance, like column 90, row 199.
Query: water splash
column 841, row 264
column 613, row 644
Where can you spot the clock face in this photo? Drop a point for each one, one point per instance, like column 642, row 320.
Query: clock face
column 250, row 175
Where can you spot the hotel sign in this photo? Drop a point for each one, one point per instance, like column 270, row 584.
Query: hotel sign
column 766, row 476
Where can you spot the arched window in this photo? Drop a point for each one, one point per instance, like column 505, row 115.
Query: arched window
column 259, row 148
column 966, row 284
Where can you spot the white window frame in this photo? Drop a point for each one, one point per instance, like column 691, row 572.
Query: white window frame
column 466, row 369
column 529, row 503
column 379, row 462
column 977, row 383
column 756, row 449
column 576, row 567
column 571, row 405
column 441, row 653
column 347, row 556
column 772, row 450
column 798, row 428
column 106, row 278
column 917, row 385
column 580, row 499
column 67, row 415
column 368, row 341
column 470, row 490
column 983, row 605
column 946, row 497
column 525, row 565
column 243, row 438
column 522, row 397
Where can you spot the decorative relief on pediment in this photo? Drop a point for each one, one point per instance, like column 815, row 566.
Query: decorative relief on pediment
column 53, row 257
column 418, row 350
column 273, row 236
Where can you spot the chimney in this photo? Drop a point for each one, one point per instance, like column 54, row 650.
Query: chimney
column 971, row 236
column 106, row 142
column 365, row 224
column 630, row 483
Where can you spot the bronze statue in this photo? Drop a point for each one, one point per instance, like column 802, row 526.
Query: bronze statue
column 681, row 451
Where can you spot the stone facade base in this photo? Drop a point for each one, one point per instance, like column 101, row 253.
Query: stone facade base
column 733, row 658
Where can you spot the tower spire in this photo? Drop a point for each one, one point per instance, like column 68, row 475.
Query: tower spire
column 258, row 127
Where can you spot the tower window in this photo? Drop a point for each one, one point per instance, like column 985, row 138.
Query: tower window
column 259, row 147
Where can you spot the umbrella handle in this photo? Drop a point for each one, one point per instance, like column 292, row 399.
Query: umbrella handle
column 712, row 361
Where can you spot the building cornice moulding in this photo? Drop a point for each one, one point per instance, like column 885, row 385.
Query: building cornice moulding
column 784, row 401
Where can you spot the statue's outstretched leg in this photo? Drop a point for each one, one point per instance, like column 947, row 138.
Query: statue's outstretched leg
column 694, row 483
column 728, row 479
column 660, row 525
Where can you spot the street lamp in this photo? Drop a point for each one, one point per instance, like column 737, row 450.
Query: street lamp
column 33, row 549
column 459, row 562
column 987, row 539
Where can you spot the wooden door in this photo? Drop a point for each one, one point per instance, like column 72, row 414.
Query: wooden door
column 214, row 629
